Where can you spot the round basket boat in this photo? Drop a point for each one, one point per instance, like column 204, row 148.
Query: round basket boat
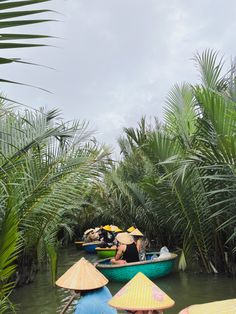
column 105, row 252
column 91, row 246
column 79, row 245
column 151, row 268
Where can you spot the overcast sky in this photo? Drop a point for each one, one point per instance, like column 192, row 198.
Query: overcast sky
column 119, row 58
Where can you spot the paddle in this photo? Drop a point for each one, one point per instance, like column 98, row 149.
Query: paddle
column 65, row 308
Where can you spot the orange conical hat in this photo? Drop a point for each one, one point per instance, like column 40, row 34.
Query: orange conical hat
column 82, row 276
column 141, row 294
column 136, row 232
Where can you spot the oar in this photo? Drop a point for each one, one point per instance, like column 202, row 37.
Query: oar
column 68, row 304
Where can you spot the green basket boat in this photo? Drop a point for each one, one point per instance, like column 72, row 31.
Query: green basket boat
column 79, row 245
column 151, row 268
column 105, row 252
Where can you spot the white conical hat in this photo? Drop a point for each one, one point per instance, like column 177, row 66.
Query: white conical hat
column 124, row 238
column 82, row 276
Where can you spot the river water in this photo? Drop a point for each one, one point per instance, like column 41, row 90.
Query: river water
column 185, row 288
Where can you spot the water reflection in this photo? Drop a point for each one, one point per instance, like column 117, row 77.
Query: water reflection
column 185, row 288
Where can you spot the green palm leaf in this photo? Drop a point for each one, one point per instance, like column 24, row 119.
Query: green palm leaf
column 7, row 20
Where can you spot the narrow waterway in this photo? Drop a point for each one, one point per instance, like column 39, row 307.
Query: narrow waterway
column 185, row 288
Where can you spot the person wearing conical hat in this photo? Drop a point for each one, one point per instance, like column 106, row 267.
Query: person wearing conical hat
column 126, row 251
column 141, row 296
column 138, row 239
column 89, row 235
column 85, row 279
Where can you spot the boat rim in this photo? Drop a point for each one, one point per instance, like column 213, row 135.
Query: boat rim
column 100, row 265
column 104, row 249
column 92, row 243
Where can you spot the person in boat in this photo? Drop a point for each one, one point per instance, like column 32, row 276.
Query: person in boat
column 140, row 244
column 126, row 249
column 106, row 236
column 90, row 285
column 141, row 293
column 89, row 236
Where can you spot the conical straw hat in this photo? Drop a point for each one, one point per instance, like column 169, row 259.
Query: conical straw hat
column 141, row 294
column 82, row 276
column 130, row 229
column 218, row 307
column 107, row 228
column 117, row 229
column 113, row 227
column 136, row 233
column 124, row 238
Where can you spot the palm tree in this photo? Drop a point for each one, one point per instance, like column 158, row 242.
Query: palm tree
column 180, row 176
column 9, row 17
column 46, row 168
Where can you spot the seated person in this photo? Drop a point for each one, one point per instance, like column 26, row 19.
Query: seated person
column 127, row 251
column 88, row 284
column 140, row 243
column 94, row 302
column 106, row 236
column 88, row 235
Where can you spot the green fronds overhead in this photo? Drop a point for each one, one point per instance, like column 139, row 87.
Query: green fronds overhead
column 11, row 17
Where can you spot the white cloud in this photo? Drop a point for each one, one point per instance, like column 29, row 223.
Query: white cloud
column 119, row 58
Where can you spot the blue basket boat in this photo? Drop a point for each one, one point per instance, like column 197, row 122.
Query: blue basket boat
column 91, row 247
column 151, row 268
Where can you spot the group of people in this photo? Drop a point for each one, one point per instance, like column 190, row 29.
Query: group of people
column 139, row 296
column 87, row 282
column 104, row 234
column 130, row 245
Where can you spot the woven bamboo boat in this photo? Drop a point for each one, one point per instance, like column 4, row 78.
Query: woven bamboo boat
column 91, row 246
column 105, row 252
column 151, row 268
column 79, row 245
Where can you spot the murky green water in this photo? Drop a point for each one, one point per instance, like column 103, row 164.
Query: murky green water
column 41, row 298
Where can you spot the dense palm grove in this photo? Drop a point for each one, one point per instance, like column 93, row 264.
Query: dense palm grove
column 176, row 179
column 46, row 168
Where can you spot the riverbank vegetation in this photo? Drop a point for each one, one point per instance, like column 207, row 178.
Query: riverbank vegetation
column 177, row 179
column 46, row 168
